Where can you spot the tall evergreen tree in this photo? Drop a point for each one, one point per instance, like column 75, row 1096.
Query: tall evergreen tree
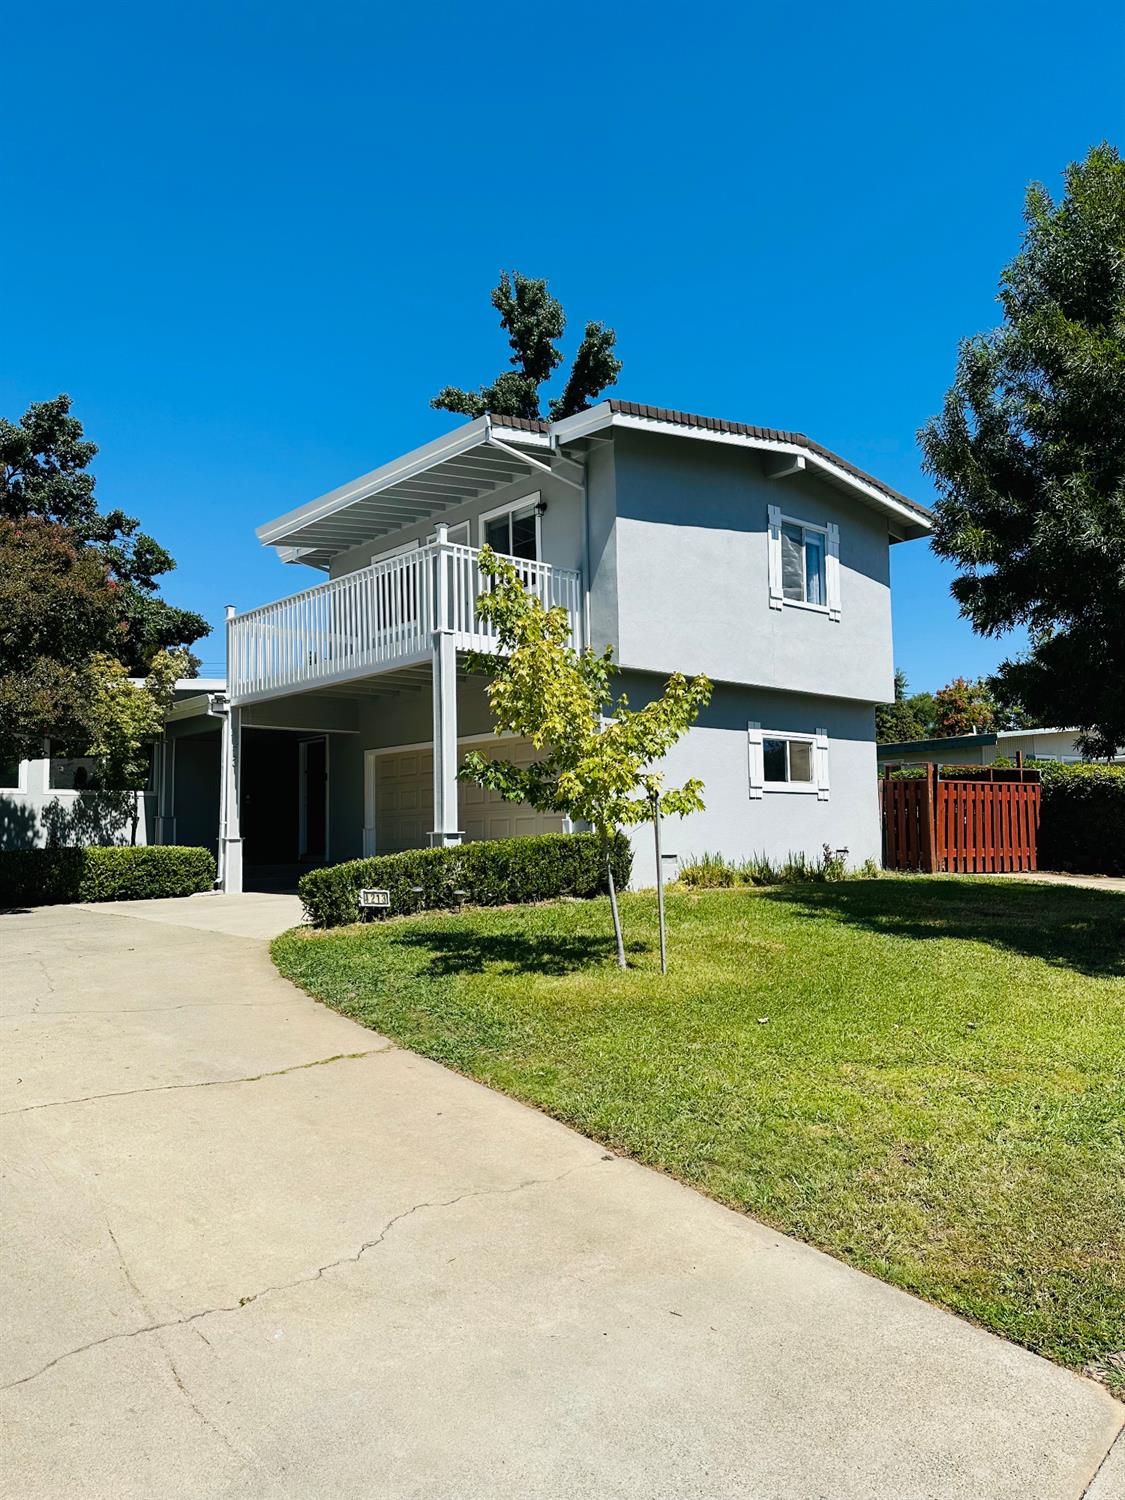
column 1028, row 455
column 534, row 322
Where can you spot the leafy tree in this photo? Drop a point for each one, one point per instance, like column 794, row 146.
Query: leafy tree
column 598, row 750
column 912, row 716
column 125, row 719
column 1028, row 455
column 897, row 721
column 534, row 322
column 58, row 606
column 964, row 707
column 44, row 472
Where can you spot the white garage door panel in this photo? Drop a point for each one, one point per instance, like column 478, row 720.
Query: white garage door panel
column 404, row 800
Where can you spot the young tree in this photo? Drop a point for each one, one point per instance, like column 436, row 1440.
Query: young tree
column 597, row 751
column 44, row 472
column 534, row 322
column 1028, row 456
column 126, row 718
column 58, row 606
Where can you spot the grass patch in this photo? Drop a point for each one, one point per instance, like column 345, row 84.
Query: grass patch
column 925, row 1077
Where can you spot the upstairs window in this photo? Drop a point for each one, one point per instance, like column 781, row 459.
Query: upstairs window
column 513, row 531
column 804, row 564
column 803, row 570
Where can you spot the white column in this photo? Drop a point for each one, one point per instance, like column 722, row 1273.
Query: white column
column 445, row 831
column 166, row 791
column 230, row 834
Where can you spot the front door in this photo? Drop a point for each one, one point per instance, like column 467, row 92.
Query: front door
column 314, row 800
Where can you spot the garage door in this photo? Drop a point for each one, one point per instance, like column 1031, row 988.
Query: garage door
column 403, row 798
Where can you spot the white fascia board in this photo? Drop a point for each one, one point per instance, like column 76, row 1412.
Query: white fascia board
column 473, row 435
column 190, row 708
column 1027, row 734
column 416, row 462
column 601, row 416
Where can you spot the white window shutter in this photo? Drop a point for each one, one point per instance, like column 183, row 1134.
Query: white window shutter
column 776, row 595
column 832, row 570
column 755, row 761
column 822, row 765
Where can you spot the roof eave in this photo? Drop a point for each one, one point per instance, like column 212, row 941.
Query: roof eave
column 915, row 521
column 279, row 531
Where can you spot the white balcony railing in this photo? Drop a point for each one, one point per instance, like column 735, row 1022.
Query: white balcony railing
column 376, row 619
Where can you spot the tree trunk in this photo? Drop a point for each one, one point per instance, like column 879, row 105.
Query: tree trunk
column 136, row 818
column 613, row 907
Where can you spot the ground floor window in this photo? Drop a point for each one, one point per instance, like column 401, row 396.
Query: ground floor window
column 781, row 761
column 786, row 760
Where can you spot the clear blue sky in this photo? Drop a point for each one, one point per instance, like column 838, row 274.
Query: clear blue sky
column 252, row 240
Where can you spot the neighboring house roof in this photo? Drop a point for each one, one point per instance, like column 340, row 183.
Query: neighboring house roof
column 490, row 452
column 965, row 741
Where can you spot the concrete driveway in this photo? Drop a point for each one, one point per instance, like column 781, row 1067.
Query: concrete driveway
column 254, row 1250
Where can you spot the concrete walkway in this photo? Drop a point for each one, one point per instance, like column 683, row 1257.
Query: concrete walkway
column 253, row 1250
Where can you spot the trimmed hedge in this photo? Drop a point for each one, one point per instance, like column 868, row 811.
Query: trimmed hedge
column 1082, row 825
column 493, row 872
column 45, row 877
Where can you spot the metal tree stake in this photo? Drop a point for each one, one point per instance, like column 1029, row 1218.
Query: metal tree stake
column 659, row 883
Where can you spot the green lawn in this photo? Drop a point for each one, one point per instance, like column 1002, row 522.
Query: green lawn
column 925, row 1077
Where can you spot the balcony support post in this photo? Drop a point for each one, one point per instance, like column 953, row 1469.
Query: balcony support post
column 445, row 831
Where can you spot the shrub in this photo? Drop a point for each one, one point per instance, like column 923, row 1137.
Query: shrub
column 44, row 877
column 1082, row 822
column 493, row 872
column 713, row 870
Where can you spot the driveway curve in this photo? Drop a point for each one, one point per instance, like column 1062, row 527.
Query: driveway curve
column 254, row 1250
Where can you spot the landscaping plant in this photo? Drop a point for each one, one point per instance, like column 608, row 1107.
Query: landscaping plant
column 597, row 751
column 45, row 877
column 492, row 872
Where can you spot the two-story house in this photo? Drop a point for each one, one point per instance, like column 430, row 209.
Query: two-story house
column 688, row 544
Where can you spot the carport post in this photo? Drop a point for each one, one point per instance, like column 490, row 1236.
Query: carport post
column 230, row 787
column 445, row 831
column 166, row 790
column 230, row 834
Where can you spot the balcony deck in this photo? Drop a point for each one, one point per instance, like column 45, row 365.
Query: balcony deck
column 375, row 620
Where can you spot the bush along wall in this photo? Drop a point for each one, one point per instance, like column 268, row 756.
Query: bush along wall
column 1082, row 819
column 45, row 877
column 494, row 872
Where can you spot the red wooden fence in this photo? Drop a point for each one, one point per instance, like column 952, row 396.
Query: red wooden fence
column 970, row 823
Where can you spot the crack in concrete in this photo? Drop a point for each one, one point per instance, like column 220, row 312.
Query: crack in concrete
column 206, row 1083
column 1105, row 1458
column 152, row 1010
column 143, row 1304
column 284, row 1286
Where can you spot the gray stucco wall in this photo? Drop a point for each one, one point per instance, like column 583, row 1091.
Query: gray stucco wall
column 779, row 822
column 692, row 574
column 38, row 815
